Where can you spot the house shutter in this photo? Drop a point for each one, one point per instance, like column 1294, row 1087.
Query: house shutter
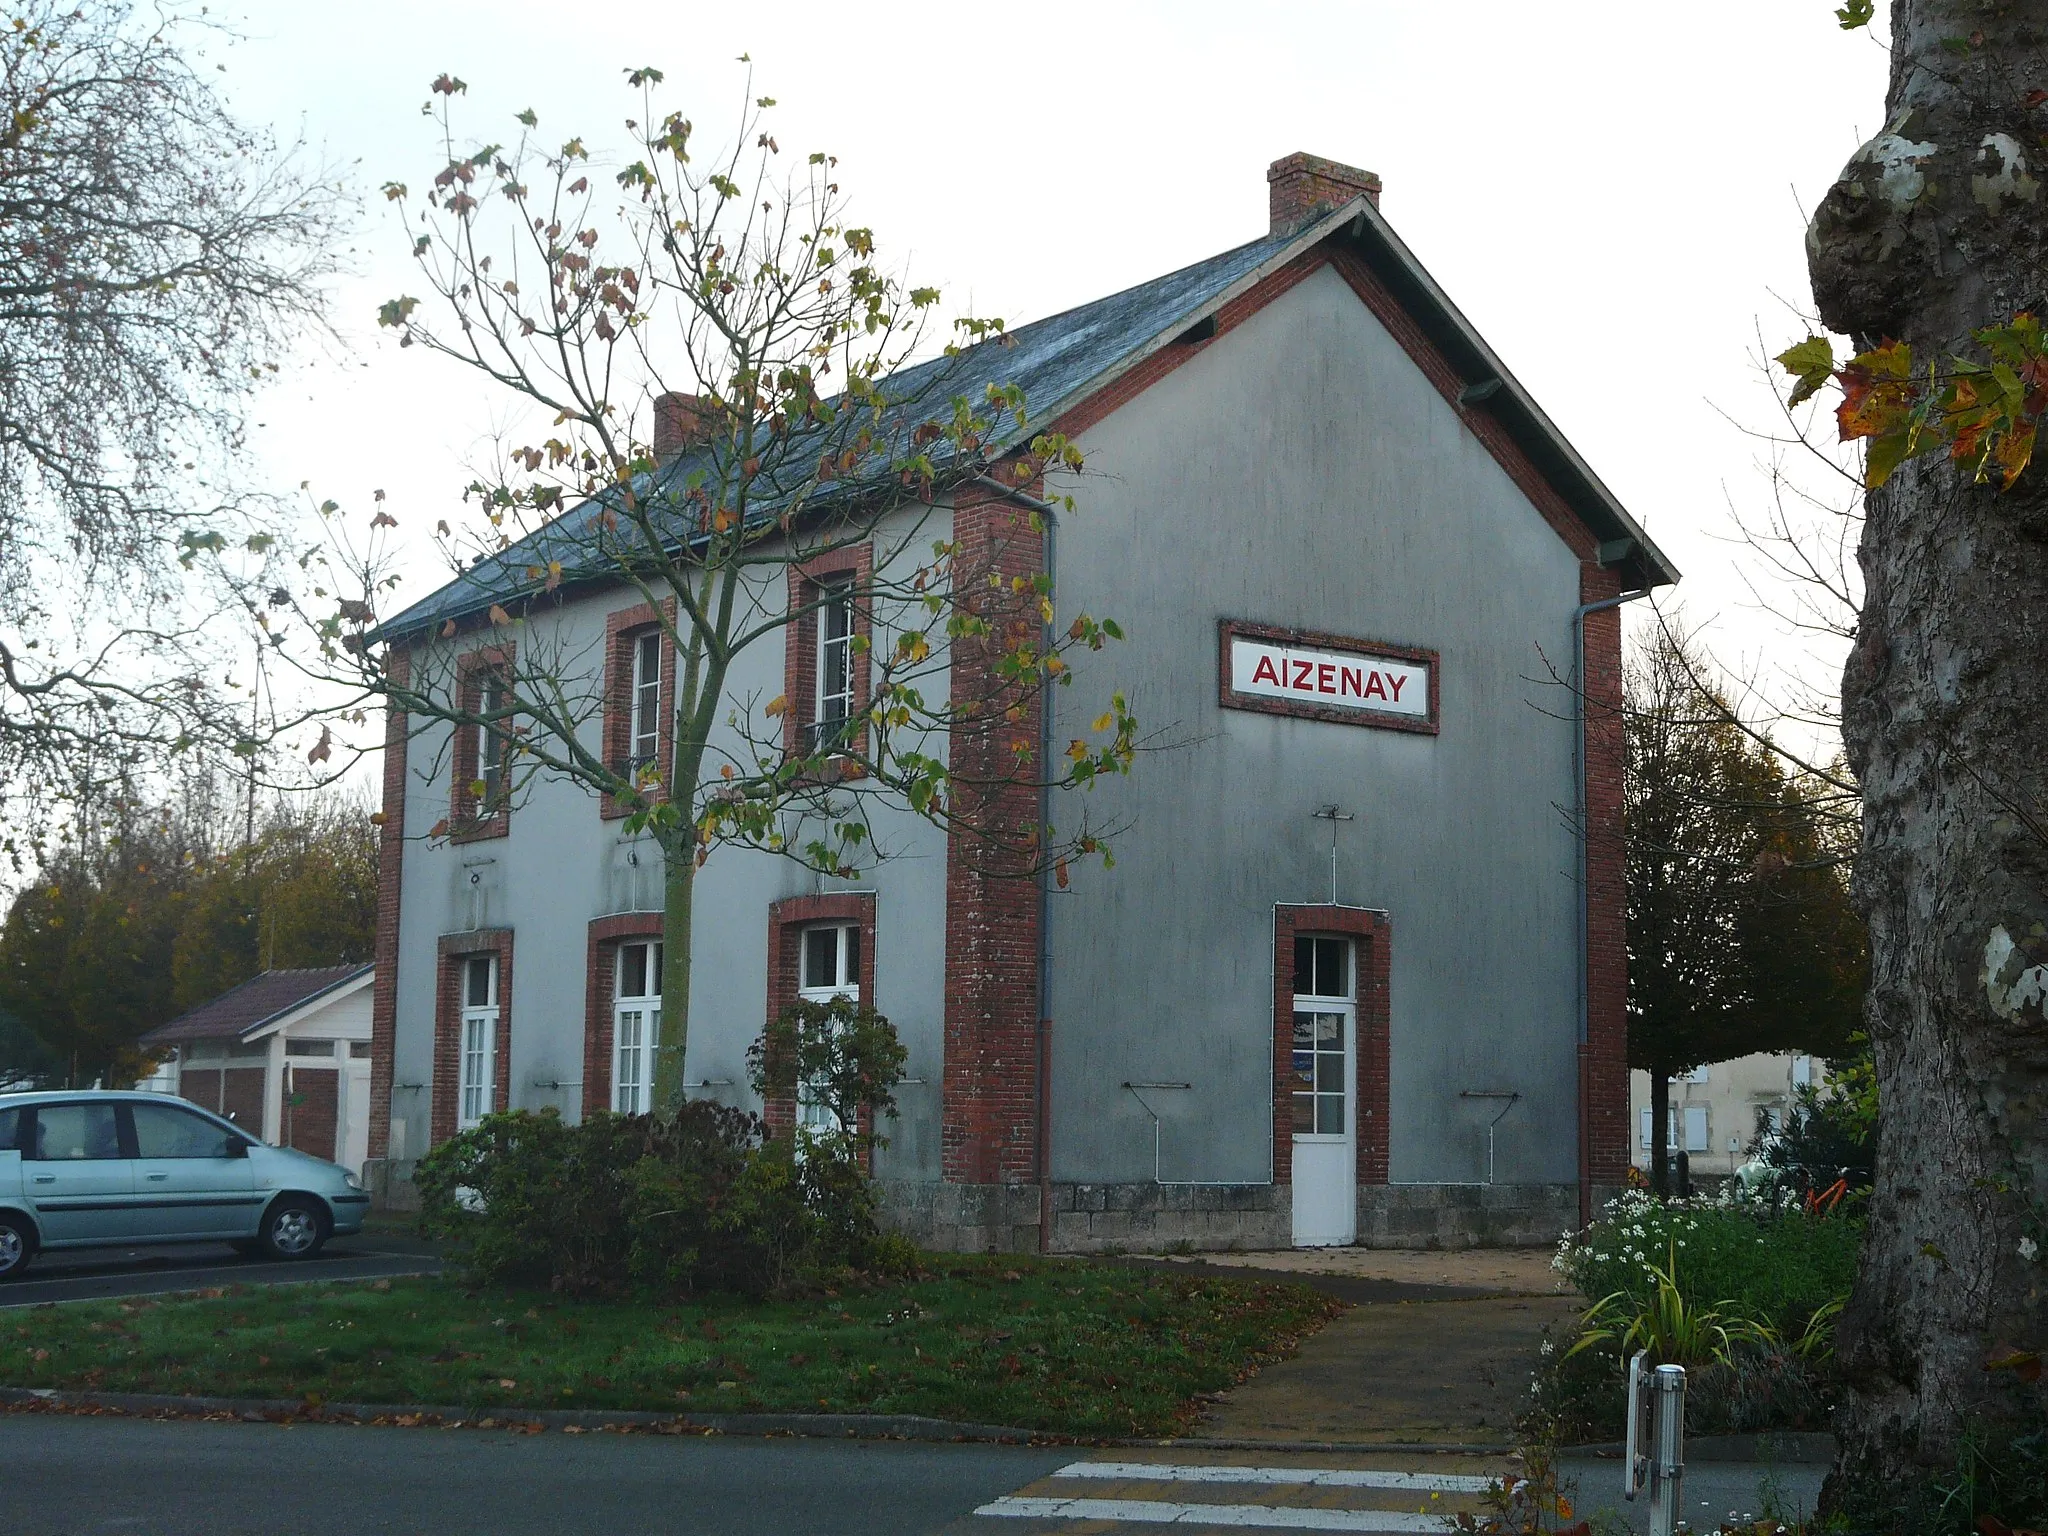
column 1695, row 1127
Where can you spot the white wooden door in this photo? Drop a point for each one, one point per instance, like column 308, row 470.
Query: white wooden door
column 355, row 1115
column 1325, row 1096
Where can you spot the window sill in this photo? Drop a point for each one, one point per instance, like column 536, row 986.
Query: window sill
column 499, row 825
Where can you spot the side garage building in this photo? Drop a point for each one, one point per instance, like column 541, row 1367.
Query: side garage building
column 1356, row 976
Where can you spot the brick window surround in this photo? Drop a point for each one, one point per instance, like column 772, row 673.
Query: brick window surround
column 854, row 564
column 622, row 633
column 787, row 920
column 600, row 979
column 464, row 824
column 1371, row 935
column 455, row 948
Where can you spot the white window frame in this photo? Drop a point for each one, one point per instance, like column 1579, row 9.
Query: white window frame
column 1345, row 1005
column 1678, row 1129
column 636, row 1029
column 812, row 1117
column 644, row 719
column 490, row 746
column 477, row 1043
column 832, row 707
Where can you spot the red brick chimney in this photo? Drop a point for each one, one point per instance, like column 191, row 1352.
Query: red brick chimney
column 1302, row 187
column 680, row 421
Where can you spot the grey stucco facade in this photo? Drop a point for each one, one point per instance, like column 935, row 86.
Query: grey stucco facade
column 1304, row 473
column 1295, row 451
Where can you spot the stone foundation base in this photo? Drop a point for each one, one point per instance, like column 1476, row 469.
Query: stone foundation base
column 390, row 1185
column 1088, row 1218
column 1150, row 1218
column 1468, row 1215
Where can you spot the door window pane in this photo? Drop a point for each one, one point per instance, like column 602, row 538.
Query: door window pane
column 76, row 1132
column 1320, row 1084
column 10, row 1130
column 482, row 971
column 161, row 1131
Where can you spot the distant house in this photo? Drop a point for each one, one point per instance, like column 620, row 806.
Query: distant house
column 286, row 1053
column 1719, row 1109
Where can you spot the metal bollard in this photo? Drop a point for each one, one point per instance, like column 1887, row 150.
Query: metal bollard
column 1654, row 1454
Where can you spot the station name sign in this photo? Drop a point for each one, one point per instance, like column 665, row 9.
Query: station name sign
column 1326, row 677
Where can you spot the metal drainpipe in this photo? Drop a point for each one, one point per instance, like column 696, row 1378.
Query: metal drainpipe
column 1043, row 1094
column 1579, row 850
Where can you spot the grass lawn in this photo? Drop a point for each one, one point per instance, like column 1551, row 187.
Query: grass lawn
column 1064, row 1346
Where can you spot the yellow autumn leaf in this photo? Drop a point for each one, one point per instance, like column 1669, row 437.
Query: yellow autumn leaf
column 777, row 706
column 499, row 615
column 1103, row 722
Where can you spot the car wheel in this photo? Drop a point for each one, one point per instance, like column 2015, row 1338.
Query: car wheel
column 17, row 1245
column 294, row 1228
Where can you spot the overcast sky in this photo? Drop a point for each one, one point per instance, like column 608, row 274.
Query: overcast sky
column 1612, row 190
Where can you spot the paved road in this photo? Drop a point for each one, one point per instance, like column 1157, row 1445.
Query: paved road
column 94, row 1273
column 75, row 1476
column 68, row 1476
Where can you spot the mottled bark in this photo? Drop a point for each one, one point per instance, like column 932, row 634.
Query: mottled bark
column 1937, row 226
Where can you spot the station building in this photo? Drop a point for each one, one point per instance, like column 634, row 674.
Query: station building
column 1358, row 974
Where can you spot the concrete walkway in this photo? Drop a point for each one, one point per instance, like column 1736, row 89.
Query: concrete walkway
column 1450, row 1372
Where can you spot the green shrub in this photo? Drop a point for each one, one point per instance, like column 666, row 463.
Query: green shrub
column 526, row 1198
column 1744, row 1296
column 698, row 1200
column 1779, row 1268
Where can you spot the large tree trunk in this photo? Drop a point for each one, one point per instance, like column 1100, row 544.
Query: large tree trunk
column 1936, row 227
column 679, row 889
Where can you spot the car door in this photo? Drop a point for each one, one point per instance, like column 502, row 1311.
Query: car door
column 75, row 1175
column 187, row 1183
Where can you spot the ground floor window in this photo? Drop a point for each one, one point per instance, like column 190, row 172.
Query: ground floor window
column 636, row 1027
column 830, row 969
column 479, row 1039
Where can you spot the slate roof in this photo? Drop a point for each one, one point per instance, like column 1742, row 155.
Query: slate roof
column 1064, row 358
column 241, row 1011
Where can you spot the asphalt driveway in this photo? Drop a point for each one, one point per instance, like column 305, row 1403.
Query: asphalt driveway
column 96, row 1274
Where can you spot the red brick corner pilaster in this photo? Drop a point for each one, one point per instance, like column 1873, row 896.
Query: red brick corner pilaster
column 855, row 564
column 786, row 921
column 1373, row 934
column 454, row 949
column 600, row 977
column 622, row 631
column 990, row 1113
column 390, row 883
column 1603, row 1071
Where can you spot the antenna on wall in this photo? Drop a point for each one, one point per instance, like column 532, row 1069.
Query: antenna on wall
column 1333, row 815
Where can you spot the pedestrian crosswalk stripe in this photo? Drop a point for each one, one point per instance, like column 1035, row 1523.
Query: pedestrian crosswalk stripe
column 1373, row 1522
column 1313, row 1477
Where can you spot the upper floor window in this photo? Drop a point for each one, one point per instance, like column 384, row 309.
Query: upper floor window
column 482, row 798
column 491, row 748
column 834, row 702
column 644, row 731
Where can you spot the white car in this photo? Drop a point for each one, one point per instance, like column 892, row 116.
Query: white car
column 91, row 1169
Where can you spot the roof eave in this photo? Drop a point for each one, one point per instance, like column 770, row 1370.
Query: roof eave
column 1642, row 562
column 1649, row 565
